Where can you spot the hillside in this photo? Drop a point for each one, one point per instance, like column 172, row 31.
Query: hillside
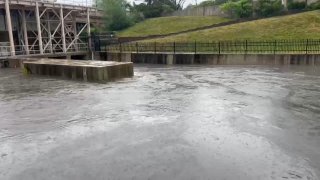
column 299, row 26
column 167, row 25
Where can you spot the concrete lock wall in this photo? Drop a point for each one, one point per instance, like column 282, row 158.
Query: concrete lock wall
column 86, row 70
column 212, row 59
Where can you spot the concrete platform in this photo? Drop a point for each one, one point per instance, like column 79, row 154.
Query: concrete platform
column 80, row 70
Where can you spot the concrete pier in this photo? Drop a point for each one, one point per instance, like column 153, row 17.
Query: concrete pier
column 80, row 70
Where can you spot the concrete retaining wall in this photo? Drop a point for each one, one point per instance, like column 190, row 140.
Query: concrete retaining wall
column 79, row 70
column 226, row 59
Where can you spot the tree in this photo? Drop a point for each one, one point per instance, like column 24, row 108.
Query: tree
column 269, row 7
column 116, row 15
column 240, row 9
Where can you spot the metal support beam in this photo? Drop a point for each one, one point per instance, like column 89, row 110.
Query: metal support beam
column 9, row 28
column 49, row 32
column 75, row 32
column 25, row 31
column 89, row 33
column 39, row 28
column 64, row 46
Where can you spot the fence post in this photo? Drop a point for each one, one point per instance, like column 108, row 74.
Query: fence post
column 174, row 47
column 106, row 53
column 155, row 47
column 120, row 47
column 246, row 47
column 307, row 46
column 219, row 44
column 137, row 47
column 195, row 47
column 275, row 47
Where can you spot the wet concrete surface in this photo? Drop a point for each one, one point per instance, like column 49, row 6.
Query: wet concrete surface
column 178, row 122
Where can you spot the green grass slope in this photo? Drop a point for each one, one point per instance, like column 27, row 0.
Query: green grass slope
column 166, row 25
column 299, row 26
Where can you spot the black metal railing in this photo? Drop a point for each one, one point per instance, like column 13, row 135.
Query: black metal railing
column 309, row 46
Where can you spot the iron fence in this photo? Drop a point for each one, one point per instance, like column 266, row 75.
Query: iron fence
column 308, row 46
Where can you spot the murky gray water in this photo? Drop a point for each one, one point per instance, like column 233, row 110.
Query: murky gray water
column 165, row 123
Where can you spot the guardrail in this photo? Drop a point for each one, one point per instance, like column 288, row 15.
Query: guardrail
column 5, row 50
column 308, row 46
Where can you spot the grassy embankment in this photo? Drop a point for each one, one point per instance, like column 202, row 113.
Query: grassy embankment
column 299, row 26
column 167, row 25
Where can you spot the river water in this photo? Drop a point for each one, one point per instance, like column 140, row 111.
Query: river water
column 177, row 122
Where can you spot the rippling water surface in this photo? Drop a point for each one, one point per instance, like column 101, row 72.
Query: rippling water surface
column 178, row 122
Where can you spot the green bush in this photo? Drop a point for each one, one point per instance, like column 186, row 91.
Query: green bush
column 212, row 3
column 116, row 15
column 154, row 10
column 207, row 3
column 240, row 9
column 267, row 8
column 296, row 5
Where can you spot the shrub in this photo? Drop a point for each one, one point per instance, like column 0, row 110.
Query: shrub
column 116, row 15
column 296, row 5
column 212, row 3
column 240, row 9
column 267, row 8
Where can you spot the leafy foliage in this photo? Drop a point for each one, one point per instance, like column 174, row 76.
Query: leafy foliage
column 267, row 8
column 240, row 9
column 292, row 5
column 157, row 8
column 212, row 3
column 116, row 15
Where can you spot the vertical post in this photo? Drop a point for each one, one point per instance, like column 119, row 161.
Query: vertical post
column 120, row 47
column 219, row 44
column 174, row 47
column 155, row 47
column 49, row 32
column 25, row 31
column 64, row 46
column 137, row 47
column 39, row 28
column 195, row 47
column 75, row 32
column 307, row 46
column 275, row 47
column 9, row 28
column 89, row 32
column 246, row 51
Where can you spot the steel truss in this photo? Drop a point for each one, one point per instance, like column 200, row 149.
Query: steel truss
column 48, row 30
